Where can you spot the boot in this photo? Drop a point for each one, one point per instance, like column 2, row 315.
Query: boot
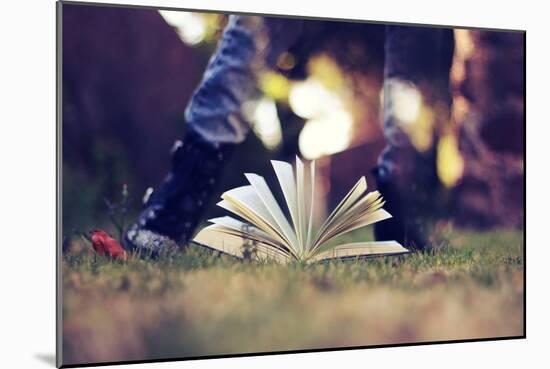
column 404, row 227
column 172, row 212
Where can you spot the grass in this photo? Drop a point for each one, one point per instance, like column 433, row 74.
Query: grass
column 195, row 303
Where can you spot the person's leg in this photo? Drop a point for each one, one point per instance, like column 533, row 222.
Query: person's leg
column 215, row 126
column 416, row 99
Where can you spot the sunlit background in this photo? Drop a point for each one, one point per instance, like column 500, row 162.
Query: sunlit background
column 325, row 104
column 323, row 100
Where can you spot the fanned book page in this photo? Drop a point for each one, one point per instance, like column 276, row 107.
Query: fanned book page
column 263, row 232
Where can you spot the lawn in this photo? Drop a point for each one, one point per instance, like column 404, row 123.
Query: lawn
column 195, row 303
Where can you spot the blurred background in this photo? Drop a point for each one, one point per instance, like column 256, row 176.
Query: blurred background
column 129, row 73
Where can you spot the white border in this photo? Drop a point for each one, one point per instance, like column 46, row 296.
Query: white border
column 27, row 152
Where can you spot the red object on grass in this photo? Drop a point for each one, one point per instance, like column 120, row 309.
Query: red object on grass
column 106, row 245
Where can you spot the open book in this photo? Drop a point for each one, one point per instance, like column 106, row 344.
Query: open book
column 265, row 232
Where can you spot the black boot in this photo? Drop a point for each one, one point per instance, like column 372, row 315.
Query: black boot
column 404, row 226
column 172, row 212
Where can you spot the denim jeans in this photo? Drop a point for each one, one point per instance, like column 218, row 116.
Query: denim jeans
column 414, row 56
column 416, row 72
column 248, row 44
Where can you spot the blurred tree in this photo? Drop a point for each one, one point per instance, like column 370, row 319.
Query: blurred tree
column 489, row 111
column 126, row 80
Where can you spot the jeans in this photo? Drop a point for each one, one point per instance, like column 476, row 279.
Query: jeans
column 416, row 74
column 417, row 58
column 248, row 44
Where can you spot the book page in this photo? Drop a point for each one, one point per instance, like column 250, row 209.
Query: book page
column 246, row 197
column 363, row 207
column 287, row 181
column 351, row 197
column 211, row 237
column 361, row 249
column 249, row 238
column 252, row 217
column 252, row 240
column 368, row 203
column 367, row 219
column 247, row 230
column 301, row 231
column 311, row 204
column 266, row 196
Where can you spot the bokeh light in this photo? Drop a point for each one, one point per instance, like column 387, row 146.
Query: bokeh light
column 265, row 121
column 329, row 124
column 406, row 100
column 450, row 164
column 190, row 26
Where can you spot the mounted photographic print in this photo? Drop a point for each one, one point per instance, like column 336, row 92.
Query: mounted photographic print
column 243, row 184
